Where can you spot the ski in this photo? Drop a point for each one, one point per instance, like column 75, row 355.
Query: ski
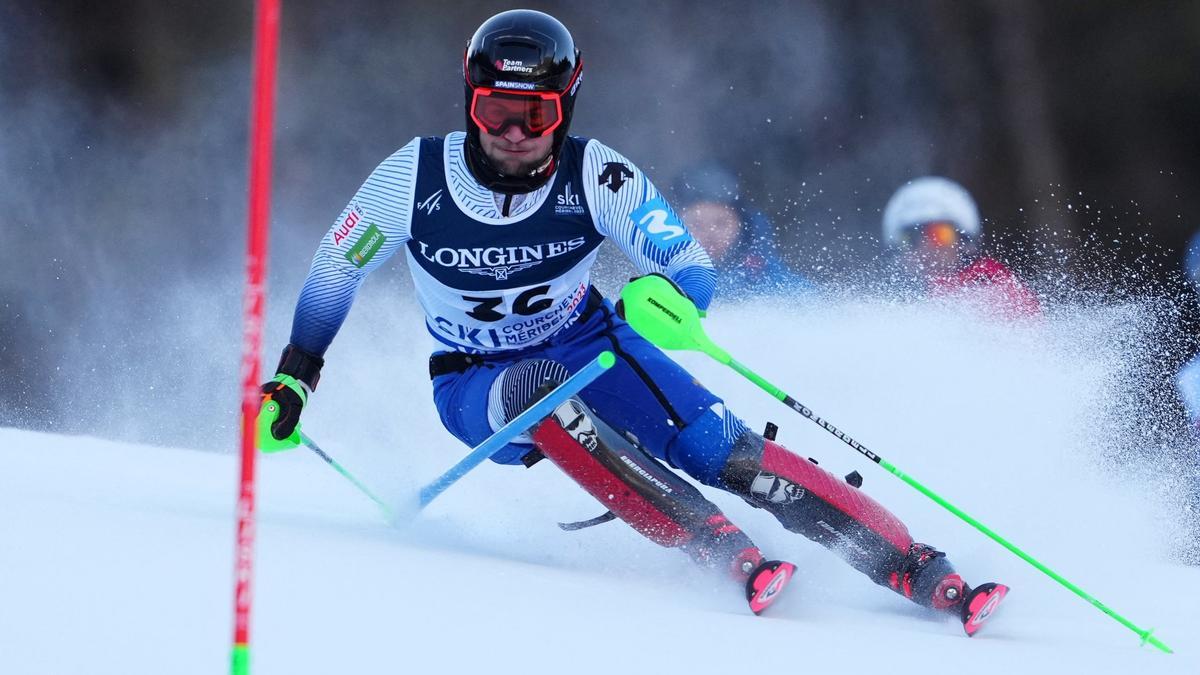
column 980, row 605
column 766, row 582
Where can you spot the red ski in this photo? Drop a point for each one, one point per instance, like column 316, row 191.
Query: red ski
column 980, row 604
column 766, row 582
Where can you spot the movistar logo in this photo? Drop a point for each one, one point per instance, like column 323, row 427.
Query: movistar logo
column 497, row 261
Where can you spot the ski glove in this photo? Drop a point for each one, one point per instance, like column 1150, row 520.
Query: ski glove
column 295, row 378
column 621, row 303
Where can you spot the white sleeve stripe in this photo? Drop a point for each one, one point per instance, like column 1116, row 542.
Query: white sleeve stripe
column 385, row 200
column 612, row 214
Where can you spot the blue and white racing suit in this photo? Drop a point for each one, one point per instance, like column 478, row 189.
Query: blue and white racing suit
column 515, row 290
column 504, row 282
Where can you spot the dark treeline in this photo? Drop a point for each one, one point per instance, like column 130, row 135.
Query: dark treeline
column 122, row 156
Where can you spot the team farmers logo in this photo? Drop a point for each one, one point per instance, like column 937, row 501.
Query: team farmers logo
column 368, row 245
column 498, row 262
column 510, row 66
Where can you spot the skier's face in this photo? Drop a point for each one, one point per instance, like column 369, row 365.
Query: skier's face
column 513, row 152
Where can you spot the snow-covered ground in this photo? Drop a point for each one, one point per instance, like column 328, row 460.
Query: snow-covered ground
column 117, row 558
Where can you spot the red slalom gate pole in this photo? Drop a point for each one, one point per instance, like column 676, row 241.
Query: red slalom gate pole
column 262, row 111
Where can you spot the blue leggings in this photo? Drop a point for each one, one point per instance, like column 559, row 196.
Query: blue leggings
column 679, row 421
column 647, row 394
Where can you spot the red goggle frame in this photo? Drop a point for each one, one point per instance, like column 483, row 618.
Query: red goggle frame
column 537, row 112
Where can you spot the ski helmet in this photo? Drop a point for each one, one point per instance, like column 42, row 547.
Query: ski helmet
column 520, row 67
column 926, row 200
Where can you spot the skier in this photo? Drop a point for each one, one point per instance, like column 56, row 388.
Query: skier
column 741, row 242
column 932, row 225
column 500, row 225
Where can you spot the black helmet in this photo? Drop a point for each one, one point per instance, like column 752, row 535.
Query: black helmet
column 513, row 56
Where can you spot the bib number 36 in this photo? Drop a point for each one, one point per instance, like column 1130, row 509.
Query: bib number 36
column 529, row 302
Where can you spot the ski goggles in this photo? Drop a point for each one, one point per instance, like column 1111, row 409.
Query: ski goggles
column 937, row 234
column 537, row 113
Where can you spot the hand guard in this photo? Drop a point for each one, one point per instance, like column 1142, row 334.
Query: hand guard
column 621, row 303
column 284, row 398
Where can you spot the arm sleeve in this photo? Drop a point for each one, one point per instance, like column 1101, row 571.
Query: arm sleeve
column 628, row 209
column 372, row 227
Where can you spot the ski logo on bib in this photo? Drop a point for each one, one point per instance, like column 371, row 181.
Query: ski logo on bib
column 432, row 203
column 568, row 203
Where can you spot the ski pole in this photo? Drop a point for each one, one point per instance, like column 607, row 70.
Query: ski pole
column 515, row 427
column 308, row 443
column 660, row 314
column 268, row 443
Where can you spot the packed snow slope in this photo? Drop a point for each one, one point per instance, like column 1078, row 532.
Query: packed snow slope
column 117, row 558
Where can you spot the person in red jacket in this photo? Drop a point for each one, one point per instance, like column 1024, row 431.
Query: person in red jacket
column 932, row 224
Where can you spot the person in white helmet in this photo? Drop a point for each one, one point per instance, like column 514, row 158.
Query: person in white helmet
column 932, row 225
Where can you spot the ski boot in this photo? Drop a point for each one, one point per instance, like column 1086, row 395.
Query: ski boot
column 653, row 500
column 926, row 579
column 723, row 542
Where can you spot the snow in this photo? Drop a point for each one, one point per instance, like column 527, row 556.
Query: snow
column 117, row 558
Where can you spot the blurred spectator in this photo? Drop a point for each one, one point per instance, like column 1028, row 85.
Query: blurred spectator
column 1188, row 380
column 741, row 242
column 932, row 225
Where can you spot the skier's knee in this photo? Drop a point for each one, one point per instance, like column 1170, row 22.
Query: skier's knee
column 519, row 386
column 705, row 447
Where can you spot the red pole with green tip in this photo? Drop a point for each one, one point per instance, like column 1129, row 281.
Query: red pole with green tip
column 661, row 315
column 266, row 39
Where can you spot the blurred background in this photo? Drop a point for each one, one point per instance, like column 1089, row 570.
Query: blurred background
column 123, row 131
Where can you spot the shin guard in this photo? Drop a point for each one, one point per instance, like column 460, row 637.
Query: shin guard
column 637, row 489
column 813, row 502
